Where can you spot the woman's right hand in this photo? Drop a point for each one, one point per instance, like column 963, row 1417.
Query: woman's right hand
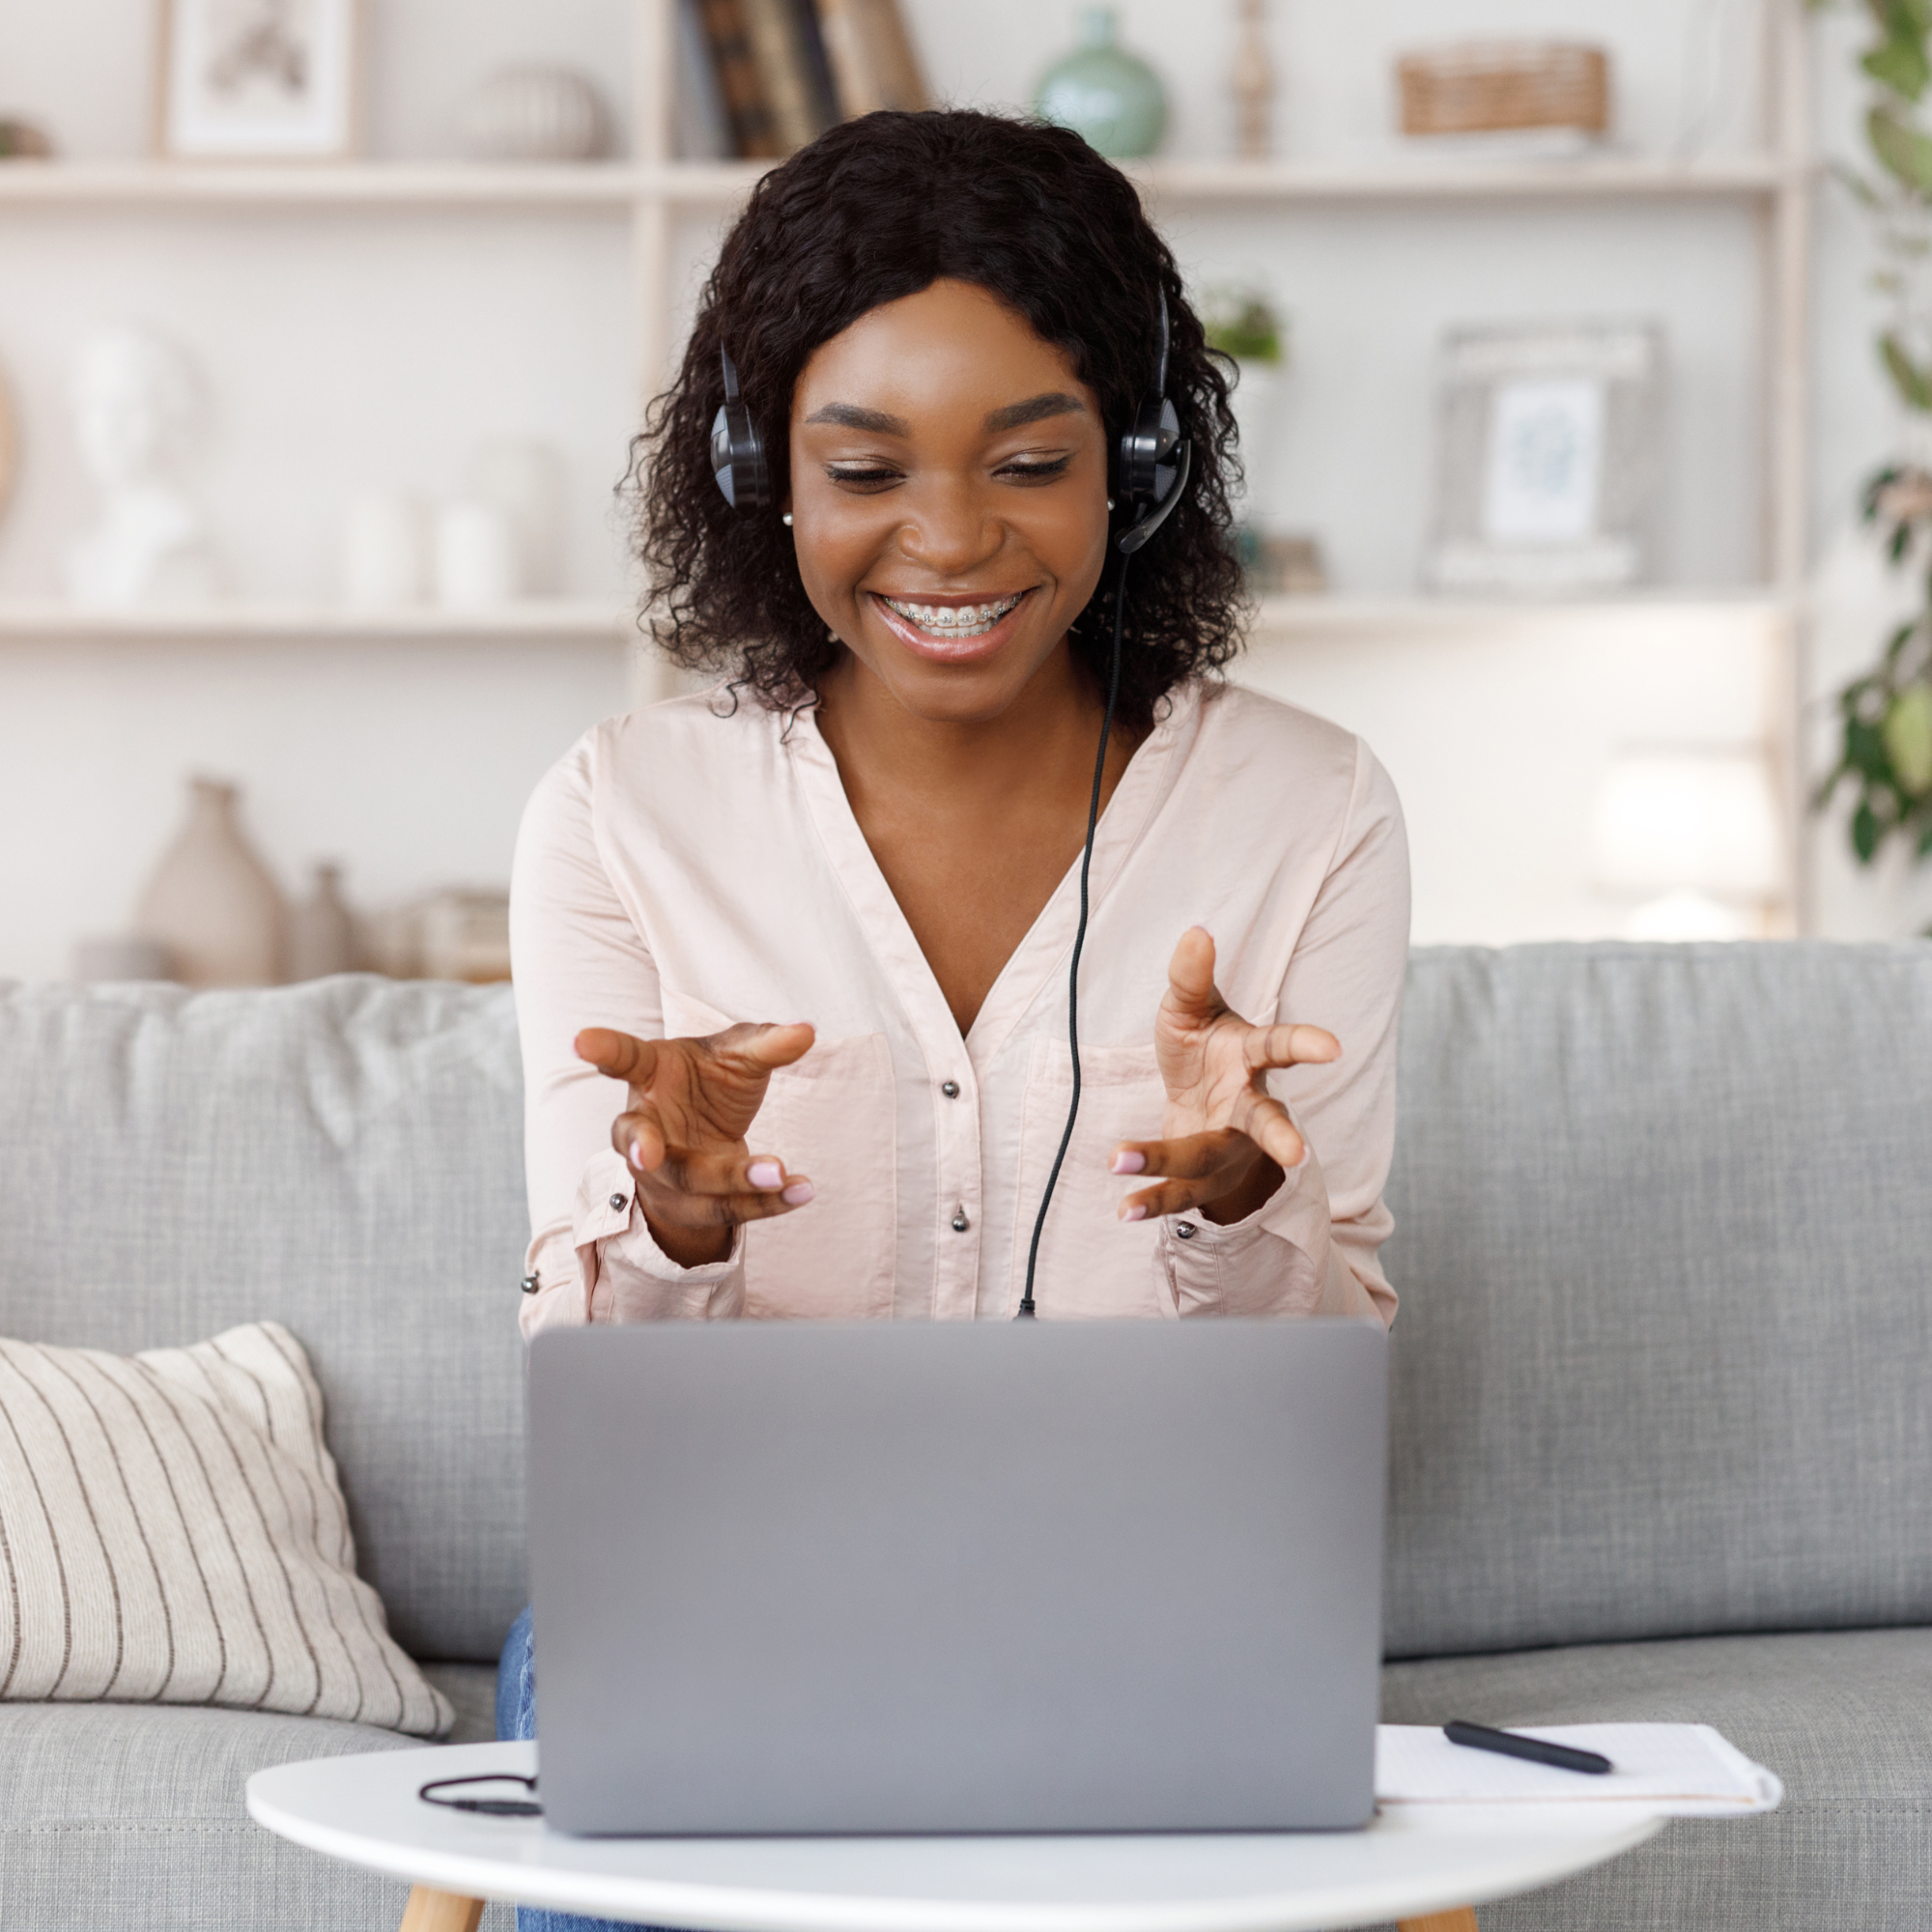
column 682, row 1131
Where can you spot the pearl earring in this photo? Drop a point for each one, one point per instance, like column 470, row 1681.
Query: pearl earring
column 1109, row 502
column 786, row 520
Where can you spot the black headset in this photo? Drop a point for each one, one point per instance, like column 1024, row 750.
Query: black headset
column 1151, row 478
column 737, row 450
column 1150, row 470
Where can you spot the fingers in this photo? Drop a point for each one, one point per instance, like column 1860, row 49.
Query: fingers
column 1263, row 1119
column 1191, row 1158
column 1190, row 975
column 772, row 1046
column 716, row 1175
column 1199, row 1168
column 619, row 1056
column 1290, row 1046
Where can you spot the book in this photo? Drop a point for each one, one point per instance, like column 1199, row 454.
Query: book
column 824, row 87
column 740, row 79
column 703, row 131
column 872, row 56
column 772, row 28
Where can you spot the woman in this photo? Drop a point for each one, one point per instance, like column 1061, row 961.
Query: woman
column 943, row 324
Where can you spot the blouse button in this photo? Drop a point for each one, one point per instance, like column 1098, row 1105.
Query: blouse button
column 619, row 1202
column 530, row 1284
column 950, row 1089
column 959, row 1221
column 1186, row 1230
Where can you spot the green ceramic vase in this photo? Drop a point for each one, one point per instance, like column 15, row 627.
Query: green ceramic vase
column 1109, row 96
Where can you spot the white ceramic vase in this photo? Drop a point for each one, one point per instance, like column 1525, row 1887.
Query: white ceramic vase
column 1256, row 403
column 211, row 902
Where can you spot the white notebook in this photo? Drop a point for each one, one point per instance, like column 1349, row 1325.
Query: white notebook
column 1677, row 1770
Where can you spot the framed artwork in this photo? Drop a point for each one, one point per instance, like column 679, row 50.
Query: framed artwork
column 1550, row 458
column 259, row 79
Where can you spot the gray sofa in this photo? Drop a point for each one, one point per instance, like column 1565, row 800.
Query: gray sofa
column 1661, row 1446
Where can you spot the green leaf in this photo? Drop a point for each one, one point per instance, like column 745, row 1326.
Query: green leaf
column 1913, row 383
column 1900, row 66
column 1898, row 640
column 1908, row 739
column 1865, row 834
column 1864, row 752
column 1902, row 151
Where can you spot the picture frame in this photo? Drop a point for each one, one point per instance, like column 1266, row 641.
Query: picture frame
column 1550, row 458
column 259, row 80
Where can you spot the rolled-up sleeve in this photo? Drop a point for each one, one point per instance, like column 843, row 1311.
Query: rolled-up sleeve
column 578, row 961
column 1313, row 1247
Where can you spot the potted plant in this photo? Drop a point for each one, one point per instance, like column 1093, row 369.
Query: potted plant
column 1245, row 325
column 1886, row 715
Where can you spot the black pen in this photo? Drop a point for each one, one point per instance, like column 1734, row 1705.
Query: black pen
column 1565, row 1758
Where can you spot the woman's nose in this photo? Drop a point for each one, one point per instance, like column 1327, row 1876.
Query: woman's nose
column 950, row 529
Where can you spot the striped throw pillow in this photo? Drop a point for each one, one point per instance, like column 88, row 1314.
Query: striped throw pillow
column 172, row 1531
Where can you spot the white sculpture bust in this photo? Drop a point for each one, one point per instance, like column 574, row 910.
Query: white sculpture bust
column 138, row 414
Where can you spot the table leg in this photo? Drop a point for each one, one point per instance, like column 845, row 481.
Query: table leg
column 440, row 1912
column 1462, row 1919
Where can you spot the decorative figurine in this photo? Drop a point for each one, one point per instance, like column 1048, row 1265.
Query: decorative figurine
column 139, row 414
column 1253, row 83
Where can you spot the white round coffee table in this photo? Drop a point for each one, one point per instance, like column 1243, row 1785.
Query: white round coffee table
column 1414, row 1865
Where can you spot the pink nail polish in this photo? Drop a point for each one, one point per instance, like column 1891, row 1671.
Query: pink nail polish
column 1137, row 1212
column 637, row 1154
column 1127, row 1161
column 798, row 1194
column 764, row 1174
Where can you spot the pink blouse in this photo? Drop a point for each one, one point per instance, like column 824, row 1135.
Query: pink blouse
column 696, row 862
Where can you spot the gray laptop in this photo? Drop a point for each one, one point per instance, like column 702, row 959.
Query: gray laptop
column 797, row 1578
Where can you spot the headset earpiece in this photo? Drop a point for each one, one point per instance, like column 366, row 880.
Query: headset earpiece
column 737, row 452
column 1155, row 459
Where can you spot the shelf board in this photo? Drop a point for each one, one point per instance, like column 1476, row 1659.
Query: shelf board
column 590, row 620
column 540, row 621
column 620, row 186
column 1409, row 177
column 317, row 183
column 1400, row 179
column 1284, row 618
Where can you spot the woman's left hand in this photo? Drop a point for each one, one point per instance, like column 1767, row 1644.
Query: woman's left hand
column 1225, row 1140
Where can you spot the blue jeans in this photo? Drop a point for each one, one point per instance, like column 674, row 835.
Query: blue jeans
column 517, row 1718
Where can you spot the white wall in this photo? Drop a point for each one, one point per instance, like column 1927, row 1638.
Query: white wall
column 355, row 348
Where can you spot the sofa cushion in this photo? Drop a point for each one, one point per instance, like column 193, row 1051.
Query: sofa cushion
column 172, row 1531
column 1844, row 1718
column 1663, row 1243
column 343, row 1157
column 133, row 1815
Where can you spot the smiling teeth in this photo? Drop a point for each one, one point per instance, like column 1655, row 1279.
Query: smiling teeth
column 953, row 620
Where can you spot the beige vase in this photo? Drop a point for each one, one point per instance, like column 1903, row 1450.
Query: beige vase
column 322, row 930
column 211, row 902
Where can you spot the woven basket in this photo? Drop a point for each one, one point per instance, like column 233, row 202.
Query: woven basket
column 1486, row 86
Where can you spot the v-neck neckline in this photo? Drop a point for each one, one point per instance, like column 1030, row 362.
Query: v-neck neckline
column 1043, row 948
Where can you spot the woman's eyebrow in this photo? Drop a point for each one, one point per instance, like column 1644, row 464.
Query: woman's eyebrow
column 1036, row 409
column 849, row 415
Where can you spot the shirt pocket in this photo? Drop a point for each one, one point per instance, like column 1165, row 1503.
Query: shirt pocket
column 1092, row 1263
column 832, row 1116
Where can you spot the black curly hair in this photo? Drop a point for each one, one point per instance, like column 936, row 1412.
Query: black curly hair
column 871, row 212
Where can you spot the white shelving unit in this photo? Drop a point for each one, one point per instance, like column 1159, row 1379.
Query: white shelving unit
column 648, row 196
column 652, row 188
